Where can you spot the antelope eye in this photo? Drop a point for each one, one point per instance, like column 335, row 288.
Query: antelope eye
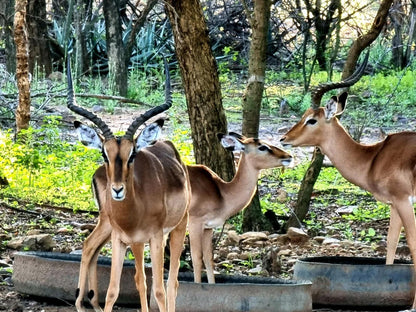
column 263, row 148
column 311, row 122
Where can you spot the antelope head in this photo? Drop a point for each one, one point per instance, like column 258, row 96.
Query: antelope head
column 261, row 154
column 316, row 122
column 118, row 152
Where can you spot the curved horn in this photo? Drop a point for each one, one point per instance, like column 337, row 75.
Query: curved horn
column 154, row 111
column 318, row 92
column 81, row 111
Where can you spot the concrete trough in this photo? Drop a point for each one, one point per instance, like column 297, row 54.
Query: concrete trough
column 233, row 293
column 55, row 275
column 358, row 282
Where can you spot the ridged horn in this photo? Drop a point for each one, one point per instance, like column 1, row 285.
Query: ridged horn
column 318, row 92
column 81, row 111
column 154, row 111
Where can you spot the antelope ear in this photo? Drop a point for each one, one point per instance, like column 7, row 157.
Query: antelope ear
column 88, row 136
column 335, row 106
column 149, row 134
column 231, row 142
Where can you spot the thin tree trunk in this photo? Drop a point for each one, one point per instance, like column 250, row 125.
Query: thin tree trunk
column 22, row 66
column 411, row 33
column 364, row 41
column 253, row 218
column 138, row 24
column 39, row 52
column 305, row 190
column 201, row 83
column 397, row 41
column 80, row 42
column 6, row 24
column 117, row 65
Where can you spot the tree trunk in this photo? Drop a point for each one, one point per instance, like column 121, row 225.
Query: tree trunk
column 253, row 218
column 364, row 41
column 138, row 24
column 397, row 41
column 324, row 29
column 117, row 65
column 411, row 35
column 22, row 68
column 201, row 84
column 6, row 25
column 83, row 12
column 305, row 190
column 39, row 52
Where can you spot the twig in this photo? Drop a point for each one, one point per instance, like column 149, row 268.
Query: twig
column 86, row 95
column 48, row 206
column 109, row 97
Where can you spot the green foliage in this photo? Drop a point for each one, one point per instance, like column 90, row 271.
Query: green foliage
column 363, row 214
column 142, row 85
column 48, row 169
column 151, row 45
column 368, row 235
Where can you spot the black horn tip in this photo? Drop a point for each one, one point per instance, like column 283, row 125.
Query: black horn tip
column 160, row 122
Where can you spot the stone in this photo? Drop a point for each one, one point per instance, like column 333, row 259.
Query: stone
column 233, row 238
column 254, row 236
column 33, row 242
column 256, row 270
column 297, row 235
column 33, row 232
column 330, row 241
column 281, row 239
column 284, row 252
column 232, row 256
column 347, row 210
column 319, row 239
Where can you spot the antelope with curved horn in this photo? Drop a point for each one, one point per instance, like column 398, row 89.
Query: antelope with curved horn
column 387, row 168
column 143, row 195
column 213, row 201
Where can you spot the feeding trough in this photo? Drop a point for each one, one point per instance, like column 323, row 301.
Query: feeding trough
column 55, row 275
column 358, row 281
column 242, row 293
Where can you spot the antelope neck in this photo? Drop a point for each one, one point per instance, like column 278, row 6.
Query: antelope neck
column 352, row 159
column 240, row 190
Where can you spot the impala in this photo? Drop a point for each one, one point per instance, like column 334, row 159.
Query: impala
column 214, row 200
column 387, row 169
column 143, row 195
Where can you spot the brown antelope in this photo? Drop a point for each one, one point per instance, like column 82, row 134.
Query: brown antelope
column 214, row 200
column 387, row 169
column 143, row 195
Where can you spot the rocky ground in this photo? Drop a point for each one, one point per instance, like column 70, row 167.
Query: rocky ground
column 255, row 253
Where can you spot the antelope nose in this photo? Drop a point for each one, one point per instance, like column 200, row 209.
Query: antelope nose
column 284, row 143
column 287, row 161
column 117, row 192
